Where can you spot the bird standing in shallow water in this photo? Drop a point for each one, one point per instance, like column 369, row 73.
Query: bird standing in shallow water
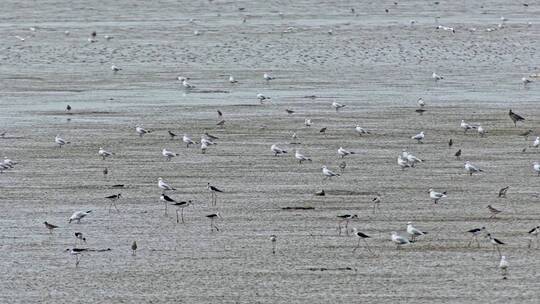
column 273, row 239
column 515, row 118
column 133, row 248
column 50, row 227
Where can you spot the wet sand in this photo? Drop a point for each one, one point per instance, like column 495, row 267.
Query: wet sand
column 376, row 63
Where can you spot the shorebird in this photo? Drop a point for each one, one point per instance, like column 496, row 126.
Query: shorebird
column 403, row 163
column 536, row 167
column 113, row 198
column 308, row 123
column 187, row 85
column 68, row 108
column 414, row 232
column 436, row 196
column 525, row 81
column 493, row 211
column 290, row 112
column 115, row 68
column 164, row 186
column 261, row 97
column 76, row 252
column 503, row 265
column 232, row 80
column 104, row 154
column 496, row 243
column 475, row 233
column 376, row 201
column 80, row 238
column 526, row 134
column 171, row 134
column 421, row 103
column 465, row 126
column 536, row 142
column 342, row 166
column 187, row 140
column 322, row 130
column 327, row 173
column 436, row 77
column 210, row 136
column 342, row 152
column 399, row 240
column 470, row 168
column 450, row 143
column 105, row 171
column 502, row 192
column 277, row 150
column 50, row 227
column 78, row 216
column 219, row 114
column 8, row 162
column 481, row 131
column 168, row 154
column 166, row 200
column 419, row 137
column 413, row 160
column 3, row 167
column 360, row 130
column 141, row 131
column 534, row 235
column 338, row 105
column 204, row 147
column 207, row 141
column 458, row 154
column 301, row 157
column 320, row 193
column 60, row 141
column 345, row 218
column 267, row 77
column 515, row 117
column 180, row 206
column 221, row 123
column 273, row 239
column 213, row 192
column 212, row 218
column 361, row 237
column 420, row 111
column 133, row 248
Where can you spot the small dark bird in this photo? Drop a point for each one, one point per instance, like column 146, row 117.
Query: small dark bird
column 450, row 143
column 221, row 123
column 289, row 111
column 113, row 198
column 51, row 227
column 212, row 218
column 219, row 114
column 475, row 233
column 323, row 130
column 386, row 10
column 493, row 211
column 68, row 108
column 117, row 186
column 105, row 171
column 526, row 134
column 458, row 154
column 3, row 134
column 133, row 248
column 502, row 192
column 420, row 111
column 515, row 117
column 94, row 34
column 166, row 200
column 171, row 134
column 79, row 236
column 320, row 193
column 210, row 136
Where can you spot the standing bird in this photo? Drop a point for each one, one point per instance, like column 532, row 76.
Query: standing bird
column 502, row 192
column 361, row 237
column 465, row 126
column 113, row 198
column 338, row 105
column 403, row 163
column 413, row 232
column 534, row 234
column 323, row 130
column 419, row 137
column 493, row 211
column 60, row 141
column 515, row 117
column 342, row 166
column 475, row 233
column 261, row 97
column 458, row 154
column 212, row 218
column 187, row 141
column 277, row 150
column 115, row 69
column 232, row 80
column 496, row 243
column 133, row 248
column 50, row 227
column 327, row 173
column 450, row 143
column 213, row 192
column 503, row 265
column 361, row 130
column 536, row 142
column 399, row 240
column 164, row 186
column 308, row 123
column 345, row 218
column 68, row 108
column 526, row 134
column 104, row 154
column 219, row 114
column 481, row 131
column 536, row 167
column 168, row 154
column 342, row 152
column 166, row 200
column 436, row 77
column 301, row 157
column 180, row 206
column 105, row 171
column 141, row 131
column 273, row 239
column 436, row 196
column 78, row 216
column 421, row 103
column 267, row 77
column 470, row 168
column 80, row 238
column 172, row 135
column 76, row 252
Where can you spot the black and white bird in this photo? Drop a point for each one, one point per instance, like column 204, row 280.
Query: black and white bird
column 465, row 126
column 301, row 157
column 78, row 216
column 399, row 240
column 502, row 192
column 168, row 154
column 115, row 69
column 231, row 79
column 50, row 226
column 361, row 237
column 419, row 137
column 212, row 218
column 141, row 131
column 164, row 186
column 171, row 134
column 277, row 150
column 515, row 117
column 343, row 152
column 187, row 140
column 338, row 105
column 328, row 173
column 273, row 239
column 475, row 233
column 134, row 248
column 268, row 77
column 60, row 141
column 262, row 98
column 536, row 167
column 80, row 237
column 503, row 265
column 180, row 207
column 436, row 76
column 213, row 192
column 533, row 233
column 493, row 211
column 495, row 242
column 414, row 232
column 166, row 200
column 470, row 168
column 345, row 218
column 104, row 153
column 536, row 142
column 361, row 131
column 113, row 198
column 76, row 252
column 436, row 196
column 68, row 108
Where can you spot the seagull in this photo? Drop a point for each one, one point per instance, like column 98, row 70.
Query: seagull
column 267, row 77
column 8, row 162
column 493, row 211
column 475, row 233
column 399, row 240
column 171, row 134
column 342, row 152
column 421, row 102
column 141, row 131
column 320, row 193
column 212, row 218
column 273, row 239
column 361, row 237
column 301, row 157
column 187, row 85
column 481, row 131
column 115, row 68
column 78, row 216
column 403, row 163
column 515, row 117
column 436, row 196
column 181, row 206
column 503, row 265
column 534, row 234
column 164, row 186
column 419, row 137
column 113, row 198
column 327, row 173
column 536, row 142
column 262, row 98
column 204, row 147
column 103, row 153
column 187, row 140
column 361, row 130
column 308, row 123
column 470, row 168
column 502, row 192
column 60, row 141
column 465, row 126
column 345, row 218
column 337, row 105
column 536, row 167
column 413, row 231
column 232, row 80
column 168, row 154
column 166, row 200
column 50, row 227
column 436, row 77
column 133, row 248
column 458, row 154
column 413, row 160
column 525, row 81
column 207, row 141
column 277, row 150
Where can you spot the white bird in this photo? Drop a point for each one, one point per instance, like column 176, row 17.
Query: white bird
column 436, row 76
column 115, row 68
column 301, row 157
column 361, row 130
column 103, row 153
column 168, row 154
column 107, row 37
column 536, row 167
column 481, row 131
column 187, row 85
column 337, row 105
column 141, row 131
column 187, row 140
column 403, row 163
column 60, row 141
column 399, row 240
column 470, row 168
column 164, row 186
column 307, row 122
column 207, row 141
column 413, row 160
column 8, row 162
column 411, row 230
column 20, row 38
column 327, row 173
column 342, row 152
column 503, row 265
column 232, row 80
column 436, row 196
column 261, row 97
column 421, row 102
column 419, row 137
column 267, row 77
column 204, row 147
column 526, row 81
column 536, row 142
column 4, row 167
column 181, row 78
column 465, row 126
column 277, row 150
column 77, row 216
